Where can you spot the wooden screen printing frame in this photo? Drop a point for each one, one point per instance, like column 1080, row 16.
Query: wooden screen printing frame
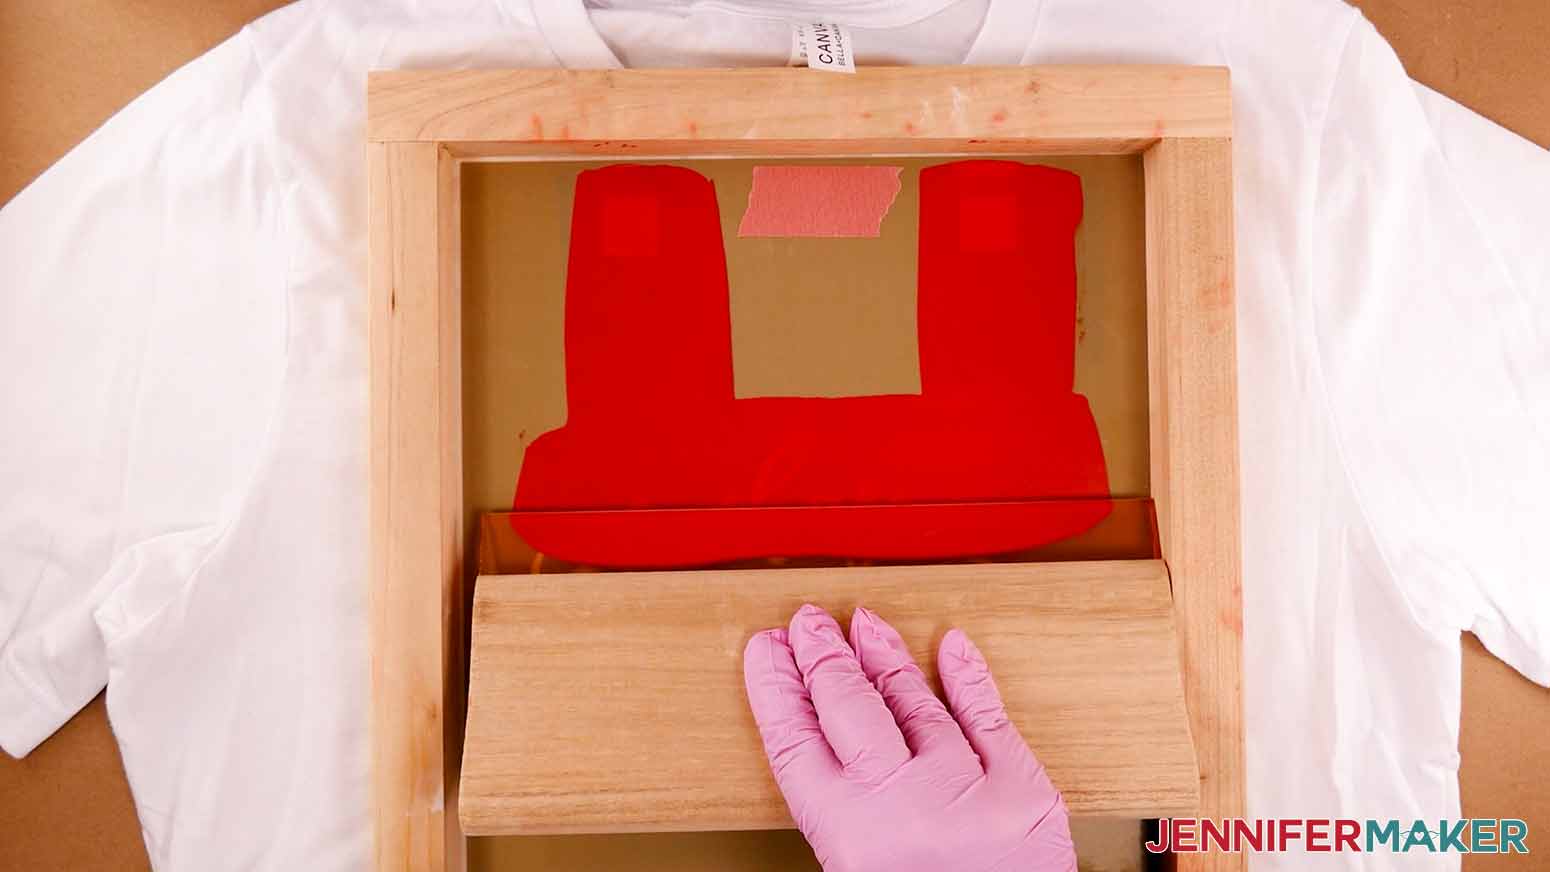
column 423, row 125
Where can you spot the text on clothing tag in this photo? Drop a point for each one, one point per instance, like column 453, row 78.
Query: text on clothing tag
column 823, row 47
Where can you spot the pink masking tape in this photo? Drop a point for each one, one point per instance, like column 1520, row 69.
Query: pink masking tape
column 819, row 201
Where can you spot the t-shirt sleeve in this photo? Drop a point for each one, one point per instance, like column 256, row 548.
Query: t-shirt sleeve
column 1430, row 289
column 142, row 321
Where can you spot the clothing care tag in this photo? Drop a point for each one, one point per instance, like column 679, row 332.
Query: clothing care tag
column 823, row 47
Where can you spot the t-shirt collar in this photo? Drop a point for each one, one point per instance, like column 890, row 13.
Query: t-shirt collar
column 1004, row 38
column 568, row 29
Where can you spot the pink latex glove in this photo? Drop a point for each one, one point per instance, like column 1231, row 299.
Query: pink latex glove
column 879, row 776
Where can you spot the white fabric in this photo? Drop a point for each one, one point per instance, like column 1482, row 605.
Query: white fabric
column 182, row 390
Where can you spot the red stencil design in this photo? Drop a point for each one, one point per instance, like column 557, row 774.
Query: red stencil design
column 658, row 464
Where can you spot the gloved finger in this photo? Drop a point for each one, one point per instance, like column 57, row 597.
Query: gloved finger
column 1048, row 847
column 976, row 704
column 921, row 716
column 798, row 753
column 854, row 718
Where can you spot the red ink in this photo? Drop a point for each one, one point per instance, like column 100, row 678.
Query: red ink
column 995, row 454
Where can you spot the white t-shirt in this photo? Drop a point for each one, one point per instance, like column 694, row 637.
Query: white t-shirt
column 183, row 396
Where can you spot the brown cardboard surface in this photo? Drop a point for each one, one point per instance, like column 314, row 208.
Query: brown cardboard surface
column 67, row 805
column 1490, row 55
column 66, row 67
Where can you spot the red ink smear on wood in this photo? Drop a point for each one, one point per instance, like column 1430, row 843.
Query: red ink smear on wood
column 999, row 117
column 827, row 201
column 659, row 464
column 538, row 126
column 909, row 127
column 1232, row 621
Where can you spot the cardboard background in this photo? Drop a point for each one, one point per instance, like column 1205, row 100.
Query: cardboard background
column 65, row 67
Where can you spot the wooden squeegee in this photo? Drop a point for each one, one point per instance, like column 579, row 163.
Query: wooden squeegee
column 614, row 702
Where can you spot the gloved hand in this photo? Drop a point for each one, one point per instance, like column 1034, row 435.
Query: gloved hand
column 879, row 776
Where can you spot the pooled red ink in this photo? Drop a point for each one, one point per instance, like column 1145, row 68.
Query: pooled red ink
column 659, row 464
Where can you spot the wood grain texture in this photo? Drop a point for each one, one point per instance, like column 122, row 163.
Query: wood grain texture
column 1192, row 364
column 416, row 605
column 759, row 111
column 615, row 702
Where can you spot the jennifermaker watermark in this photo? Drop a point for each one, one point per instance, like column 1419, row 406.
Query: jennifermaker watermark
column 1321, row 835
